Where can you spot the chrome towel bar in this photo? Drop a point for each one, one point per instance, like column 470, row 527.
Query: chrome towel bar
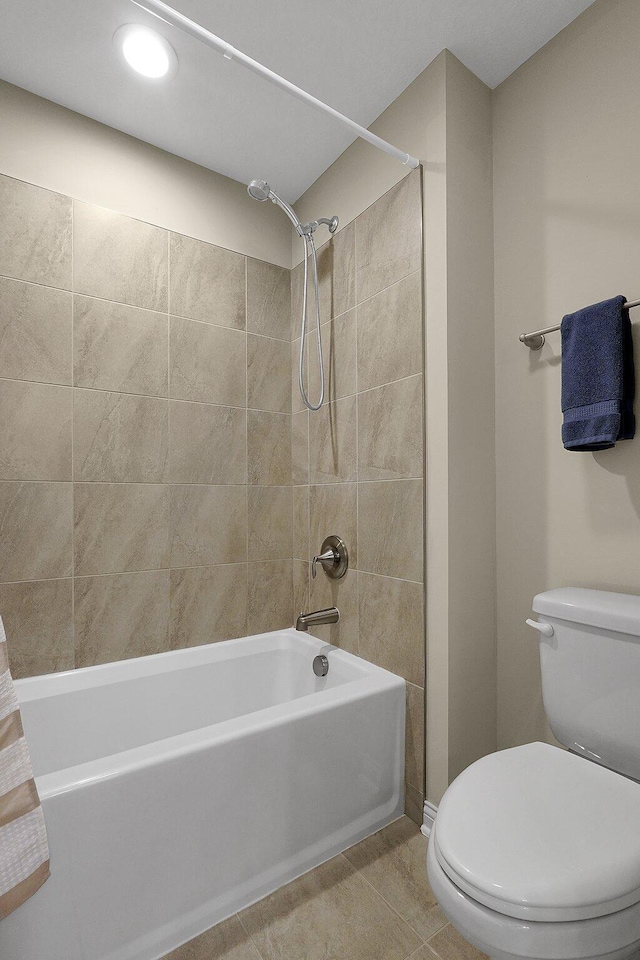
column 535, row 340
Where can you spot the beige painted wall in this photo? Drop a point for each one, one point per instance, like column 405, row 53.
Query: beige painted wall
column 444, row 118
column 567, row 233
column 53, row 147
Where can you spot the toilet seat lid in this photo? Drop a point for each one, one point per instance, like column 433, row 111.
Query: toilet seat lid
column 537, row 833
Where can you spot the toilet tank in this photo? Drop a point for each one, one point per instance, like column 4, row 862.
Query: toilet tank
column 591, row 674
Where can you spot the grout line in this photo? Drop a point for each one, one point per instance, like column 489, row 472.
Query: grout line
column 127, row 573
column 404, row 920
column 251, row 940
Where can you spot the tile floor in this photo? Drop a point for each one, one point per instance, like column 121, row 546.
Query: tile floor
column 372, row 902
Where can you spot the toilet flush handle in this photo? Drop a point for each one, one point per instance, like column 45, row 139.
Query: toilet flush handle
column 544, row 628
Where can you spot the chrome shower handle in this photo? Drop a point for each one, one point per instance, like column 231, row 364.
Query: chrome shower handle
column 328, row 559
column 334, row 558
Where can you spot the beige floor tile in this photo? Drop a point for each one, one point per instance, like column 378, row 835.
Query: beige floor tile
column 448, row 944
column 226, row 941
column 394, row 862
column 328, row 914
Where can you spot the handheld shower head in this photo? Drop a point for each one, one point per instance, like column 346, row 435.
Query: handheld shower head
column 259, row 190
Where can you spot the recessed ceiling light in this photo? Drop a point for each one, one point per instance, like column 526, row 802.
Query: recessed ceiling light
column 146, row 51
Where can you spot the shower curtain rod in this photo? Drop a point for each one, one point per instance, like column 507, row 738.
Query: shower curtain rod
column 535, row 340
column 177, row 19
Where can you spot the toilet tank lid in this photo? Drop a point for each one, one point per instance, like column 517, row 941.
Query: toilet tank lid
column 595, row 608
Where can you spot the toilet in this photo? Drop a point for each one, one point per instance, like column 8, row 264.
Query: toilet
column 535, row 850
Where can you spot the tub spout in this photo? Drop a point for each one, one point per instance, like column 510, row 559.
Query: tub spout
column 316, row 617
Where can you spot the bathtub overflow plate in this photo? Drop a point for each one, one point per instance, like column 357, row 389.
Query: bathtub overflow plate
column 320, row 665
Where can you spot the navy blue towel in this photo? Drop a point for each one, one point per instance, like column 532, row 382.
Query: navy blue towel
column 598, row 376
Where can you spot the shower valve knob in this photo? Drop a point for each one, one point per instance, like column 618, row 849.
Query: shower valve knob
column 334, row 558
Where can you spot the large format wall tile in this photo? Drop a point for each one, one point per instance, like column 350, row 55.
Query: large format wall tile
column 390, row 444
column 270, row 597
column 268, row 299
column 36, row 530
column 208, row 443
column 414, row 739
column 301, row 577
column 391, row 625
column 270, row 523
column 208, row 604
column 389, row 238
column 332, row 442
column 208, row 363
column 120, row 438
column 297, row 403
column 336, row 281
column 119, row 258
column 339, row 357
column 301, row 549
column 343, row 594
column 268, row 374
column 207, row 282
column 208, row 525
column 268, row 448
column 35, row 234
column 390, row 528
column 333, row 510
column 35, row 332
column 118, row 347
column 120, row 527
column 121, row 616
column 38, row 621
column 390, row 334
column 300, row 447
column 35, row 431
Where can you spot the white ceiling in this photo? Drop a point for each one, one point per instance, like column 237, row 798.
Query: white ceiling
column 356, row 55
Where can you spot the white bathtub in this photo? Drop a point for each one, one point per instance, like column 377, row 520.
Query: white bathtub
column 181, row 787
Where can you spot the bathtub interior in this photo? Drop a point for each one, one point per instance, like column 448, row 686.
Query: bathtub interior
column 102, row 711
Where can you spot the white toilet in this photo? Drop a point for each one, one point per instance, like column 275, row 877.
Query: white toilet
column 535, row 851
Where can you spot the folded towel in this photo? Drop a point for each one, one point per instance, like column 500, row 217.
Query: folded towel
column 598, row 376
column 24, row 852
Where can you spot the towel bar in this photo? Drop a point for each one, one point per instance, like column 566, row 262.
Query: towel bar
column 535, row 340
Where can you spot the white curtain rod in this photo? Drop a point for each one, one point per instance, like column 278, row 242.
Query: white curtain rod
column 177, row 19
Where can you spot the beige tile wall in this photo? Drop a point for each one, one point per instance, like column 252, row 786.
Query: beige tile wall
column 357, row 463
column 145, row 424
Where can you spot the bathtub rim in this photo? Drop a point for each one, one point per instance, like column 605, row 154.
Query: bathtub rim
column 364, row 680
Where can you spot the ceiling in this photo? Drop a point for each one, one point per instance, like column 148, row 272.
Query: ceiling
column 356, row 55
